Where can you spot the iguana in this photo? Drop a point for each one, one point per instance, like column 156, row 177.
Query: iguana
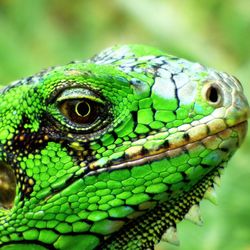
column 112, row 152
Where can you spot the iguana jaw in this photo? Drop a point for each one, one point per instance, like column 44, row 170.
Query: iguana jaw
column 163, row 218
column 160, row 222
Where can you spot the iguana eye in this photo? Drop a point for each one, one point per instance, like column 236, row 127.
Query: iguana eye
column 80, row 111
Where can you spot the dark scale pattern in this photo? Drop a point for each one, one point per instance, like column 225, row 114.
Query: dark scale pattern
column 25, row 142
column 24, row 182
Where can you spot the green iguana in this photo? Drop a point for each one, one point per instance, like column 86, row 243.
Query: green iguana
column 112, row 152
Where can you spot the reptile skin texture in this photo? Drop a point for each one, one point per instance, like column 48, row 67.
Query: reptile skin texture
column 114, row 151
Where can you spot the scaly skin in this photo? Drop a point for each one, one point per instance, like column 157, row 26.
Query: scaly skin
column 112, row 152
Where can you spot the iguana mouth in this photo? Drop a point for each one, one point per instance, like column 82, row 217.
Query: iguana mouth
column 185, row 143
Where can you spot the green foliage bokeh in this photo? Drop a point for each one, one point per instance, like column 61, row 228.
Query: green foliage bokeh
column 42, row 33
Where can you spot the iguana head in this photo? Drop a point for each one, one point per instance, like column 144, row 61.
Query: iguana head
column 88, row 147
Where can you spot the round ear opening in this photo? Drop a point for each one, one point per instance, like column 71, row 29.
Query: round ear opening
column 7, row 186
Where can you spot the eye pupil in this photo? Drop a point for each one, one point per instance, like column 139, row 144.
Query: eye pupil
column 82, row 109
column 212, row 94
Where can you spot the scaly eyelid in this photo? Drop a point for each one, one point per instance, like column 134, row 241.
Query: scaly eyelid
column 79, row 93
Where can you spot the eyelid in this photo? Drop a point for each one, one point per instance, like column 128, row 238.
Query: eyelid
column 78, row 93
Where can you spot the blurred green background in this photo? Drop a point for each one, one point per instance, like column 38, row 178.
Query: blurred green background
column 42, row 33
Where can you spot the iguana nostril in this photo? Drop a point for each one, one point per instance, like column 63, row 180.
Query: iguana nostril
column 7, row 186
column 212, row 94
